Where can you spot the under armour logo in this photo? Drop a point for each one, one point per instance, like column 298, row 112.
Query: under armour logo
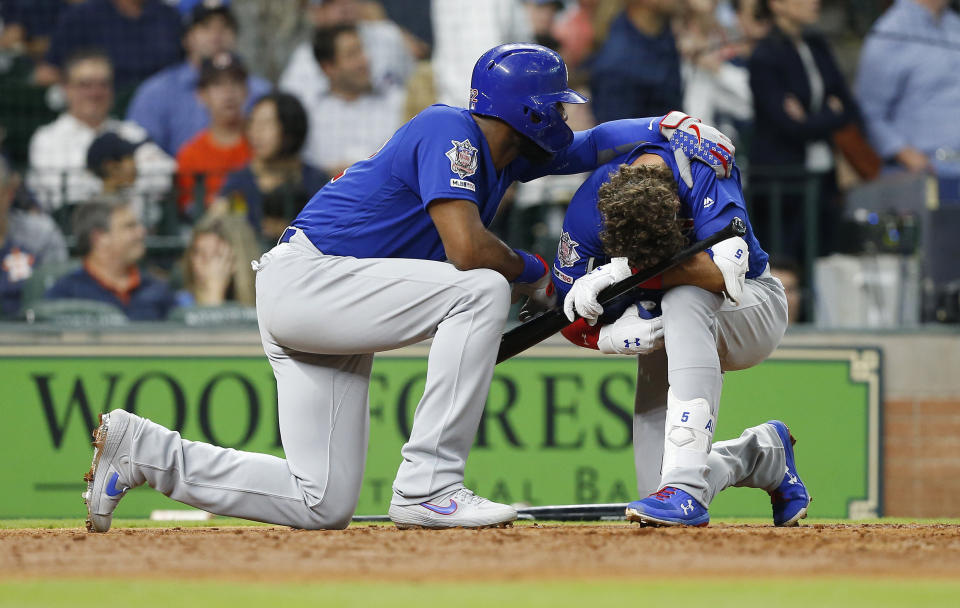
column 687, row 508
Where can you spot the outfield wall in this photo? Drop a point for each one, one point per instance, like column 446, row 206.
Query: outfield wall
column 877, row 416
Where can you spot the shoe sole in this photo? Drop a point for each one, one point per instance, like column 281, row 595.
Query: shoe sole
column 99, row 442
column 645, row 520
column 503, row 524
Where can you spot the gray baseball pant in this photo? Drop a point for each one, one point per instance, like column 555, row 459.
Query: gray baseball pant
column 321, row 319
column 704, row 336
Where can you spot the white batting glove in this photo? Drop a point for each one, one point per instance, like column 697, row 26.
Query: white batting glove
column 582, row 297
column 691, row 139
column 731, row 257
column 631, row 334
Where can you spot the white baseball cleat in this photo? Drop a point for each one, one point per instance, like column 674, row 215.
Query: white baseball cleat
column 458, row 509
column 108, row 478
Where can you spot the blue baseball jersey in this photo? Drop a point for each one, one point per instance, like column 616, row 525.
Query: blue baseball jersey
column 709, row 205
column 377, row 208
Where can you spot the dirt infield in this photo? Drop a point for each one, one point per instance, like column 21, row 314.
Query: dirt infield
column 524, row 552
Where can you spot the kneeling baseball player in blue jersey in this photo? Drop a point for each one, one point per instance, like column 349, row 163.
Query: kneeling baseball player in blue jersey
column 720, row 311
column 391, row 252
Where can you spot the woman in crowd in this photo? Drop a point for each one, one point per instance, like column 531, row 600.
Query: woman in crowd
column 216, row 264
column 801, row 101
column 276, row 130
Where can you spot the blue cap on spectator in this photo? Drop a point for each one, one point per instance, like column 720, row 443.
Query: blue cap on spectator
column 108, row 146
column 201, row 10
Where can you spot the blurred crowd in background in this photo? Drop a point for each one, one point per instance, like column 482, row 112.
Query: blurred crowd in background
column 149, row 149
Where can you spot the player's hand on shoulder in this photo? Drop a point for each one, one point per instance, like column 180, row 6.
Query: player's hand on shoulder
column 582, row 298
column 732, row 258
column 636, row 332
column 690, row 139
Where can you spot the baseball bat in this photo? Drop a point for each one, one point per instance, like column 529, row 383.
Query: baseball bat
column 540, row 328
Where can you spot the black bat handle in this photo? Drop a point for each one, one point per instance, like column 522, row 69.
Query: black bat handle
column 537, row 330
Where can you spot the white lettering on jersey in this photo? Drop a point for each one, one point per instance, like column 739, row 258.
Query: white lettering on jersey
column 462, row 183
column 463, row 158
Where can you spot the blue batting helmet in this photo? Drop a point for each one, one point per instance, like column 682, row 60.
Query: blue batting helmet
column 522, row 84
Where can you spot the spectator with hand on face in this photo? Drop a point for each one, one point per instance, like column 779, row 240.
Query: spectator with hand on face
column 111, row 241
column 223, row 147
column 166, row 104
column 216, row 264
column 276, row 131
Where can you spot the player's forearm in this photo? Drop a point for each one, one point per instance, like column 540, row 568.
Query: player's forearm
column 699, row 271
column 485, row 250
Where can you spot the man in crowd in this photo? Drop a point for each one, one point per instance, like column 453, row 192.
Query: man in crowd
column 223, row 146
column 352, row 119
column 898, row 85
column 58, row 151
column 140, row 37
column 111, row 241
column 391, row 61
column 28, row 238
column 166, row 104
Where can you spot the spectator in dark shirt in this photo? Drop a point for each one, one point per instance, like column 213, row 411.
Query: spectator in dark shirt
column 637, row 71
column 28, row 238
column 140, row 36
column 28, row 24
column 276, row 131
column 800, row 100
column 111, row 241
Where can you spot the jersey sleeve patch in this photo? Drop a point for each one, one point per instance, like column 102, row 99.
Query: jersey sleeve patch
column 462, row 183
column 567, row 251
column 463, row 159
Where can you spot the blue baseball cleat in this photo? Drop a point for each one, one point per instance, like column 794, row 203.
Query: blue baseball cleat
column 668, row 507
column 791, row 499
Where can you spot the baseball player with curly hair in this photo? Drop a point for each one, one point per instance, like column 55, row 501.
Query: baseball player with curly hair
column 390, row 252
column 720, row 311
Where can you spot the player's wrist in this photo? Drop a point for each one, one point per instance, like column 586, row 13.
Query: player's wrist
column 534, row 267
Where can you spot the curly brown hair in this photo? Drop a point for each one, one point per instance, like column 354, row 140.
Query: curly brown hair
column 639, row 207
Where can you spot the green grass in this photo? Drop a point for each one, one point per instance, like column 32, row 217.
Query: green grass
column 23, row 524
column 782, row 593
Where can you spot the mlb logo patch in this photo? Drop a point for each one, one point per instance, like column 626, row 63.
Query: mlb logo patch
column 567, row 251
column 463, row 158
